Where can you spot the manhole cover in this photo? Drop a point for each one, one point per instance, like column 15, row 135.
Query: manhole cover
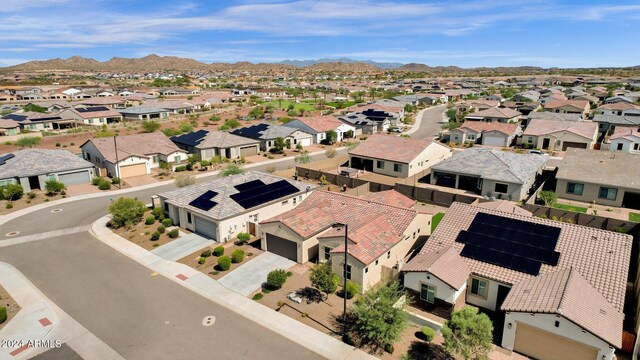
column 208, row 320
column 13, row 233
column 56, row 210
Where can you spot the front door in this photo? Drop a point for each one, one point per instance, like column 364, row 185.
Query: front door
column 34, row 182
column 545, row 144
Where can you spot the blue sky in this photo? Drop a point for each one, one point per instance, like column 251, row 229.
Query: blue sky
column 543, row 33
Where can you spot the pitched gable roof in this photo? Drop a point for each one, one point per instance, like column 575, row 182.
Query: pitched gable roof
column 391, row 148
column 139, row 145
column 502, row 113
column 539, row 127
column 446, row 264
column 320, row 123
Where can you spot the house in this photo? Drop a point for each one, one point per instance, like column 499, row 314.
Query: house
column 550, row 116
column 581, row 107
column 135, row 155
column 525, row 108
column 503, row 115
column 379, row 234
column 625, row 139
column 488, row 172
column 560, row 135
column 365, row 125
column 222, row 208
column 144, row 112
column 174, row 106
column 618, row 99
column 318, row 126
column 600, row 177
column 379, row 112
column 32, row 168
column 608, row 124
column 267, row 134
column 207, row 144
column 475, row 105
column 94, row 115
column 9, row 127
column 557, row 293
column 35, row 121
column 618, row 108
column 526, row 96
column 485, row 133
column 397, row 156
column 113, row 102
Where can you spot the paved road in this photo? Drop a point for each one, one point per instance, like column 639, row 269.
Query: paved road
column 138, row 315
column 431, row 123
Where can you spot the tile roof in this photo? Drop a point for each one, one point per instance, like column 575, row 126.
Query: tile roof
column 554, row 116
column 504, row 206
column 30, row 162
column 205, row 139
column 446, row 264
column 95, row 112
column 8, row 124
column 619, row 106
column 538, row 127
column 502, row 113
column 139, row 145
column 481, row 126
column 567, row 293
column 320, row 123
column 618, row 120
column 392, row 148
column 390, row 197
column 601, row 256
column 578, row 104
column 600, row 167
column 142, row 109
column 620, row 132
column 493, row 164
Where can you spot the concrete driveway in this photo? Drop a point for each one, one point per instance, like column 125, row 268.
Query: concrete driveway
column 250, row 276
column 177, row 249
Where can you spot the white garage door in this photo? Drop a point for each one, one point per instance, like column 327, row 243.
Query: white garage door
column 493, row 140
column 74, row 178
column 206, row 227
column 305, row 142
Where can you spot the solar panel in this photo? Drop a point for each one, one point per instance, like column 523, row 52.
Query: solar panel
column 258, row 195
column 91, row 109
column 509, row 261
column 4, row 158
column 204, row 202
column 249, row 185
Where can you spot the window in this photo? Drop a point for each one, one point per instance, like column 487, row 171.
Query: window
column 285, row 202
column 6, row 182
column 176, row 159
column 366, row 270
column 636, row 146
column 529, row 140
column 156, row 159
column 608, row 193
column 348, row 274
column 189, row 218
column 327, row 253
column 428, row 293
column 376, row 262
column 295, row 201
column 619, row 146
column 52, row 177
column 501, row 188
column 397, row 167
column 479, row 287
column 388, row 254
column 380, row 164
column 575, row 189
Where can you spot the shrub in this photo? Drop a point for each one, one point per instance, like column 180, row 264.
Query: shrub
column 352, row 290
column 428, row 333
column 166, row 222
column 237, row 256
column 289, row 274
column 150, row 126
column 330, row 153
column 158, row 212
column 173, row 233
column 115, row 180
column 31, row 195
column 183, row 180
column 96, row 180
column 276, row 278
column 28, row 141
column 202, row 260
column 12, row 192
column 126, row 211
column 231, row 169
column 185, row 128
column 9, row 206
column 180, row 168
column 257, row 296
column 244, row 237
column 57, row 144
column 218, row 250
column 53, row 187
column 155, row 236
column 161, row 229
column 224, row 263
column 3, row 314
column 206, row 253
column 150, row 220
column 104, row 185
column 389, row 348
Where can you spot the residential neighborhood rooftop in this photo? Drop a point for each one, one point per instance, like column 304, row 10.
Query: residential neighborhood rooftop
column 600, row 167
column 392, row 148
column 30, row 162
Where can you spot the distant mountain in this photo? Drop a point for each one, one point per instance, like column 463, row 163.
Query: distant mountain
column 305, row 63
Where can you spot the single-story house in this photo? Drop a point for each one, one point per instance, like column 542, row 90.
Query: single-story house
column 174, row 106
column 397, row 156
column 558, row 291
column 609, row 123
column 113, row 102
column 144, row 112
column 525, row 108
column 32, row 168
column 544, row 115
column 35, row 121
column 601, row 177
column 207, row 144
column 94, row 115
column 380, row 235
column 267, row 134
column 135, row 155
column 625, row 139
column 560, row 135
column 9, row 127
column 491, row 173
column 619, row 108
column 365, row 125
column 581, row 107
column 485, row 133
column 503, row 115
column 318, row 126
column 475, row 105
column 222, row 208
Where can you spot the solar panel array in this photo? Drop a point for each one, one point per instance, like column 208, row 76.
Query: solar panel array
column 258, row 194
column 92, row 109
column 4, row 158
column 249, row 185
column 510, row 243
column 204, row 202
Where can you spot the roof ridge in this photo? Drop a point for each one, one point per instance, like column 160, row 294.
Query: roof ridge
column 366, row 200
column 564, row 289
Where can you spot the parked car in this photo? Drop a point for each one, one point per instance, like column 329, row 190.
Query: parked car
column 395, row 130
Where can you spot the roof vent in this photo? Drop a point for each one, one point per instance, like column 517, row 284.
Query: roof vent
column 603, row 312
column 594, row 237
column 526, row 291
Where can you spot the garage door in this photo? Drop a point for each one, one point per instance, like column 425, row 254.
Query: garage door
column 493, row 140
column 282, row 247
column 74, row 178
column 577, row 145
column 248, row 150
column 206, row 228
column 305, row 142
column 133, row 170
column 544, row 345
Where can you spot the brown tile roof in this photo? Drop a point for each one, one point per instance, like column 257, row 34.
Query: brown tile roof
column 504, row 206
column 8, row 124
column 100, row 113
column 539, row 127
column 602, row 257
column 481, row 126
column 619, row 106
column 503, row 113
column 446, row 264
column 391, row 148
column 567, row 293
column 578, row 104
column 623, row 132
column 139, row 145
column 321, row 123
column 390, row 197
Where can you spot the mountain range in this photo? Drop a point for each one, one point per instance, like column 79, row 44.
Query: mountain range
column 305, row 63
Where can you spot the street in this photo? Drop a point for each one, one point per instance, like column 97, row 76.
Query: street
column 431, row 123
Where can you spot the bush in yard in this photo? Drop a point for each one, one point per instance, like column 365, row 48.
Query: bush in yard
column 158, row 212
column 237, row 256
column 13, row 192
column 150, row 126
column 330, row 153
column 224, row 263
column 29, row 141
column 126, row 211
column 96, row 180
column 206, row 253
column 428, row 333
column 183, row 180
column 352, row 290
column 173, row 233
column 115, row 180
column 231, row 169
column 218, row 250
column 149, row 220
column 276, row 279
column 257, row 296
column 167, row 222
column 244, row 237
column 3, row 314
column 161, row 229
column 323, row 279
column 468, row 334
column 180, row 168
column 202, row 260
column 31, row 195
column 9, row 206
column 104, row 185
column 155, row 236
column 53, row 187
column 548, row 197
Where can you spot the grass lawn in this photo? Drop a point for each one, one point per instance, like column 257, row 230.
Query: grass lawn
column 635, row 217
column 436, row 220
column 571, row 208
column 285, row 105
column 342, row 104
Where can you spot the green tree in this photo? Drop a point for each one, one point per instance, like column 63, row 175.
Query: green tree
column 451, row 114
column 278, row 145
column 53, row 186
column 165, row 167
column 323, row 279
column 468, row 334
column 126, row 211
column 232, row 123
column 548, row 197
column 231, row 169
column 257, row 112
column 11, row 192
column 28, row 141
column 377, row 320
column 35, row 108
column 303, row 158
column 150, row 126
column 185, row 128
column 331, row 137
column 214, row 118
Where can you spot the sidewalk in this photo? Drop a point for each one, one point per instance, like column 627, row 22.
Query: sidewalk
column 40, row 319
column 205, row 286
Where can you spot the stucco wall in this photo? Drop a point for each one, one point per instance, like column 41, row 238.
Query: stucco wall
column 492, row 294
column 590, row 193
column 413, row 280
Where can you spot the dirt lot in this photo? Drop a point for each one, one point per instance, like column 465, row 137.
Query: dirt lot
column 26, row 201
column 140, row 234
column 12, row 307
column 209, row 267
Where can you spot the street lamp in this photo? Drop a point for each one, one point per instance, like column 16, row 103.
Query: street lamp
column 344, row 275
